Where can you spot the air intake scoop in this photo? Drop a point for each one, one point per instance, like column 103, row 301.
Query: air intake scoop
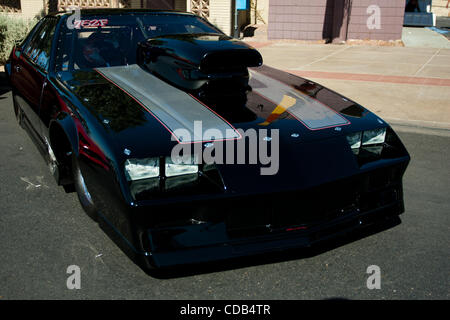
column 206, row 65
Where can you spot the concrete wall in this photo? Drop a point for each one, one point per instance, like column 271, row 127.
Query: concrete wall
column 439, row 8
column 259, row 12
column 220, row 14
column 327, row 19
column 30, row 9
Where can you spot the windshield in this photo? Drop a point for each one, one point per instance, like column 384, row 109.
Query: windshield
column 111, row 40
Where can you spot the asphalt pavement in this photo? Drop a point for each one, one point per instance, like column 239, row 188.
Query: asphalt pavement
column 43, row 231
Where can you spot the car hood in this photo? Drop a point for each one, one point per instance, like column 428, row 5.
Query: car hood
column 313, row 134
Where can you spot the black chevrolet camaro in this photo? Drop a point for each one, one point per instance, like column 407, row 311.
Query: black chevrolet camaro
column 186, row 148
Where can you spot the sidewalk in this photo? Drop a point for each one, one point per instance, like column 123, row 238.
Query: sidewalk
column 414, row 37
column 401, row 84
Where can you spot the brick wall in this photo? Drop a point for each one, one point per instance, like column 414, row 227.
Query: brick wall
column 135, row 4
column 299, row 19
column 391, row 20
column 313, row 19
column 180, row 5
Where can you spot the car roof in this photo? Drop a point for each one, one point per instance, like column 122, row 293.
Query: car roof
column 110, row 11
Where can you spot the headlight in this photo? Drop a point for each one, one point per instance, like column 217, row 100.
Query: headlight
column 138, row 169
column 174, row 169
column 147, row 181
column 367, row 140
column 354, row 140
column 180, row 174
column 375, row 136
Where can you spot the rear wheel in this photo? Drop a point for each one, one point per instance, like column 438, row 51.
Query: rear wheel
column 82, row 191
column 16, row 107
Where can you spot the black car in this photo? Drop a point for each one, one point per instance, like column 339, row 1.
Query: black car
column 186, row 148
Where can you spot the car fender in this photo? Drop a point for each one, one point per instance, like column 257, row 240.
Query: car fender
column 63, row 142
column 68, row 126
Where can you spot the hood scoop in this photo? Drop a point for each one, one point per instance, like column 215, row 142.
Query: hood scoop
column 226, row 61
column 211, row 67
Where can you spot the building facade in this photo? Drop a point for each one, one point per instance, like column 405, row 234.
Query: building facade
column 23, row 8
column 336, row 20
column 329, row 20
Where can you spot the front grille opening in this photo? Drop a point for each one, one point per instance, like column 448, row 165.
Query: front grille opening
column 275, row 213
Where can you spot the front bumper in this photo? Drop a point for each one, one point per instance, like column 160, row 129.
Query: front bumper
column 223, row 229
column 272, row 243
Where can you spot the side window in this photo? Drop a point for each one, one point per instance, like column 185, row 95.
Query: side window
column 33, row 40
column 29, row 36
column 39, row 47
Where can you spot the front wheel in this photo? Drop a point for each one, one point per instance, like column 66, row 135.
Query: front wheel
column 17, row 110
column 82, row 191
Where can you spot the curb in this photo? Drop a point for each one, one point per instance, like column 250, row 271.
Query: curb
column 419, row 123
column 420, row 126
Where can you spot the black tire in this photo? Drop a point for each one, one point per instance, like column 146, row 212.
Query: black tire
column 83, row 194
column 17, row 111
column 16, row 107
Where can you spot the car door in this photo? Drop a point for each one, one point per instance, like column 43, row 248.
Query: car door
column 29, row 72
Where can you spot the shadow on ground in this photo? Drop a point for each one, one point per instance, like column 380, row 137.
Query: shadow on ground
column 287, row 255
column 4, row 86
